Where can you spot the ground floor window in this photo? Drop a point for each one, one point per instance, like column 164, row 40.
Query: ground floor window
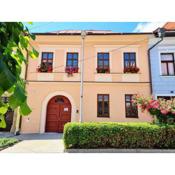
column 103, row 105
column 166, row 97
column 130, row 108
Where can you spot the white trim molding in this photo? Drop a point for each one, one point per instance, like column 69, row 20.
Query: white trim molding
column 45, row 103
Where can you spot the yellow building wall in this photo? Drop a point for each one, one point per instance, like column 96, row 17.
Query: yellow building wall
column 116, row 84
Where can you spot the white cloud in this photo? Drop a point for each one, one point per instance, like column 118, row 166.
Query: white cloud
column 148, row 26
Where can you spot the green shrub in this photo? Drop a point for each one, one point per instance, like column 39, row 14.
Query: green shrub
column 118, row 135
column 4, row 142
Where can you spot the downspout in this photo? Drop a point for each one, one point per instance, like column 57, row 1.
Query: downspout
column 149, row 62
column 83, row 35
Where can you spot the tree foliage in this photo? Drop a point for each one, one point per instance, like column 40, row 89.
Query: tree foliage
column 14, row 46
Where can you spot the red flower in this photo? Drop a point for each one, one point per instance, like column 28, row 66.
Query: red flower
column 131, row 69
column 71, row 70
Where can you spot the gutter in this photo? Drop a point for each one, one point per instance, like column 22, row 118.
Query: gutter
column 149, row 62
column 78, row 34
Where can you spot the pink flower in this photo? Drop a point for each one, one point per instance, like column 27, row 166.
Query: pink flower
column 155, row 104
column 173, row 112
column 163, row 111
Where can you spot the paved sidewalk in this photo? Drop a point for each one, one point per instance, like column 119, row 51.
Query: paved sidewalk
column 37, row 143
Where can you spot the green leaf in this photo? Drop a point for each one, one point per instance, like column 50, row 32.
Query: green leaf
column 33, row 54
column 17, row 98
column 24, row 109
column 24, row 41
column 33, row 36
column 7, row 79
column 3, row 109
column 1, row 91
column 30, row 22
column 2, row 122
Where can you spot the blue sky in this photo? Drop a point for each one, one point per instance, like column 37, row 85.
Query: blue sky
column 114, row 26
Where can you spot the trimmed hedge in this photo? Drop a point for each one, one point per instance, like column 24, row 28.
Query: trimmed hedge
column 119, row 135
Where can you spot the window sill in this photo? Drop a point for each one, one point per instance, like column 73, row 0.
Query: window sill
column 103, row 116
column 44, row 72
column 167, row 75
column 136, row 117
column 125, row 73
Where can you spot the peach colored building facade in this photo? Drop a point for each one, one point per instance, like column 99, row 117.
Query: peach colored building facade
column 44, row 86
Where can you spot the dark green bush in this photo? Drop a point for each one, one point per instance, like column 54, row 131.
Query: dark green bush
column 4, row 142
column 118, row 135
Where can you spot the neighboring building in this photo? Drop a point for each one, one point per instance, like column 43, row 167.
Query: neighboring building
column 54, row 94
column 162, row 58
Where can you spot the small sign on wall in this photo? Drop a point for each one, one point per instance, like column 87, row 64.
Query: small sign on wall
column 66, row 109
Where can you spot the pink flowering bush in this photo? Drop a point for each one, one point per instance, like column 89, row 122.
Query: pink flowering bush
column 162, row 109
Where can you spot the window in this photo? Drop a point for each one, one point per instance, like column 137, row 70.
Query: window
column 47, row 58
column 72, row 60
column 131, row 108
column 166, row 97
column 103, row 62
column 167, row 64
column 129, row 59
column 102, row 105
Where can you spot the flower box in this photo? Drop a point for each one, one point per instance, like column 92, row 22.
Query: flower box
column 103, row 70
column 71, row 70
column 131, row 69
column 44, row 67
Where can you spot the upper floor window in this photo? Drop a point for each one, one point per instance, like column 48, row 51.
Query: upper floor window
column 71, row 63
column 131, row 108
column 130, row 63
column 47, row 57
column 72, row 59
column 167, row 64
column 46, row 62
column 129, row 59
column 103, row 105
column 103, row 63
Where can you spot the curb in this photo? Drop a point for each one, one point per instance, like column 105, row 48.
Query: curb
column 119, row 150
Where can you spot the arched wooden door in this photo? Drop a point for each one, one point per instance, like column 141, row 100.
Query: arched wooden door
column 58, row 113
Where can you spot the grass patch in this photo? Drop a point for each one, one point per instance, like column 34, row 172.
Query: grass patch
column 6, row 142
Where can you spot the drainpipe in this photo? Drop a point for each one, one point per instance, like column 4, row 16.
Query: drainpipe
column 83, row 35
column 161, row 33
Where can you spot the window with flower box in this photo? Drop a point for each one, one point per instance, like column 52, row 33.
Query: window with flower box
column 103, row 105
column 46, row 62
column 72, row 62
column 167, row 64
column 130, row 62
column 103, row 62
column 130, row 108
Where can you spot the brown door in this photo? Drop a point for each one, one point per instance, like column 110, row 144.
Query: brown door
column 58, row 113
